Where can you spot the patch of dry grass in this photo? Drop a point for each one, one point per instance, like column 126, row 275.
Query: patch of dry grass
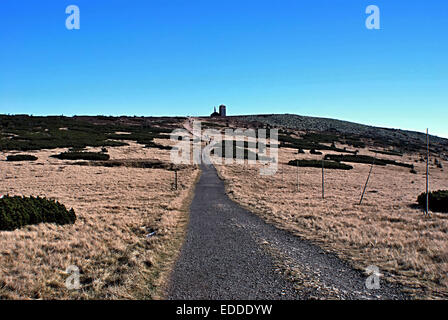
column 115, row 208
column 386, row 230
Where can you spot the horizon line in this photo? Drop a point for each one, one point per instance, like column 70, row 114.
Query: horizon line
column 445, row 136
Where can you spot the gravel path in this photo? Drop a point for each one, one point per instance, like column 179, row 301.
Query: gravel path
column 230, row 253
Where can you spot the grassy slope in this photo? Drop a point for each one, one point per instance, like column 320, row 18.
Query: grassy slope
column 403, row 139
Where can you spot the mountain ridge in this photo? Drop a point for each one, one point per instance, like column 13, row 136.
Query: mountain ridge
column 394, row 137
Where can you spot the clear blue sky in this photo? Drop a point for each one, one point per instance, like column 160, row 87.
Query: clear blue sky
column 170, row 57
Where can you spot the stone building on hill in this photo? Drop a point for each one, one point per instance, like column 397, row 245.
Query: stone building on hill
column 222, row 112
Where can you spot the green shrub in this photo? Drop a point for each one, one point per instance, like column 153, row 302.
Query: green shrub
column 81, row 156
column 21, row 157
column 152, row 144
column 438, row 200
column 316, row 137
column 318, row 164
column 387, row 152
column 309, row 141
column 141, row 137
column 365, row 159
column 35, row 133
column 219, row 149
column 16, row 212
column 312, row 151
column 76, row 149
column 355, row 143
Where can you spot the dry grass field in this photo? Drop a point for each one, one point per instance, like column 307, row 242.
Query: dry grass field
column 116, row 209
column 387, row 230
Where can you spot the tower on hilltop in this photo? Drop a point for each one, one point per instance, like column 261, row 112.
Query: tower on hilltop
column 222, row 110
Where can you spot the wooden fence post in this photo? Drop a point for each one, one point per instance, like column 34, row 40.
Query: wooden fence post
column 297, row 165
column 323, row 180
column 175, row 179
column 427, row 172
column 368, row 177
column 283, row 174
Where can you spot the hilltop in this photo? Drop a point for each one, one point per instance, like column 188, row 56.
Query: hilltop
column 402, row 140
column 22, row 132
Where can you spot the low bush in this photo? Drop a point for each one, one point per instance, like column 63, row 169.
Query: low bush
column 309, row 141
column 219, row 149
column 21, row 157
column 152, row 144
column 365, row 159
column 438, row 200
column 141, row 137
column 16, row 212
column 318, row 164
column 22, row 132
column 387, row 152
column 312, row 151
column 242, row 144
column 142, row 164
column 212, row 124
column 81, row 156
column 76, row 149
column 355, row 143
